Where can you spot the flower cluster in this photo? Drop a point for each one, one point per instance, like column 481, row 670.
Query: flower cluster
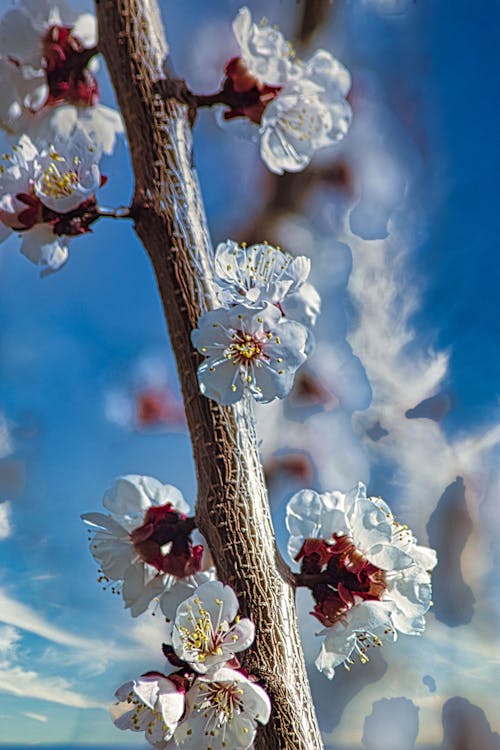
column 48, row 196
column 292, row 107
column 368, row 576
column 46, row 74
column 210, row 703
column 260, row 335
column 144, row 544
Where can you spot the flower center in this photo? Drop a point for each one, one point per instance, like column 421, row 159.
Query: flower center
column 219, row 702
column 59, row 183
column 245, row 348
column 201, row 640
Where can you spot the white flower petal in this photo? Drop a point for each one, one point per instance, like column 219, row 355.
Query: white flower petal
column 388, row 557
column 41, row 246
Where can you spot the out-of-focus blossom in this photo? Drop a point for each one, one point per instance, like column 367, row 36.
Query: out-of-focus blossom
column 222, row 711
column 294, row 466
column 48, row 196
column 146, row 542
column 295, row 107
column 146, row 399
column 152, row 704
column 207, row 631
column 248, row 351
column 361, row 565
column 46, row 59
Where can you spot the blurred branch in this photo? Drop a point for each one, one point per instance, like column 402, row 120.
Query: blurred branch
column 232, row 510
column 314, row 16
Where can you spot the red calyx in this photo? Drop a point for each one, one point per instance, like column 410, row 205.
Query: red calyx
column 31, row 215
column 163, row 525
column 337, row 573
column 243, row 93
column 66, row 61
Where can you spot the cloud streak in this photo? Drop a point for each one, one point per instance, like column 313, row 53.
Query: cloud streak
column 13, row 612
column 30, row 684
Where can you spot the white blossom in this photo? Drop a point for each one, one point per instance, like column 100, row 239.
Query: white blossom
column 17, row 175
column 248, row 351
column 368, row 521
column 264, row 51
column 222, row 711
column 263, row 273
column 24, row 90
column 207, row 631
column 144, row 571
column 38, row 187
column 293, row 108
column 152, row 704
column 392, row 590
column 47, row 83
column 303, row 118
column 361, row 628
column 23, row 28
column 68, row 173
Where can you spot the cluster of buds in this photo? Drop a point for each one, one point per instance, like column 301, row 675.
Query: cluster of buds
column 210, row 701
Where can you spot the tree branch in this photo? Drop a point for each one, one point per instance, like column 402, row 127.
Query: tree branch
column 232, row 509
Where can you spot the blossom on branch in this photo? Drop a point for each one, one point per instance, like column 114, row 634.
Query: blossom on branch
column 293, row 108
column 207, row 631
column 48, row 196
column 145, row 543
column 222, row 711
column 248, row 351
column 153, row 704
column 368, row 576
column 47, row 52
column 262, row 273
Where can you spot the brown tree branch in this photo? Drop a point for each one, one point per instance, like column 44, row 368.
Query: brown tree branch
column 232, row 509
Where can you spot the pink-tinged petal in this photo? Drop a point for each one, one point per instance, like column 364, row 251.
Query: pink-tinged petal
column 240, row 636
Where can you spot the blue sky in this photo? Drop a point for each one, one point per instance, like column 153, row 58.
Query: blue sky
column 426, row 79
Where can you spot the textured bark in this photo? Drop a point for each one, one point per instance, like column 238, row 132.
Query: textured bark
column 232, row 506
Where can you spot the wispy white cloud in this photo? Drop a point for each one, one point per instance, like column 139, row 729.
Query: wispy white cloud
column 13, row 612
column 9, row 639
column 30, row 684
column 5, row 524
column 36, row 717
column 402, row 374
